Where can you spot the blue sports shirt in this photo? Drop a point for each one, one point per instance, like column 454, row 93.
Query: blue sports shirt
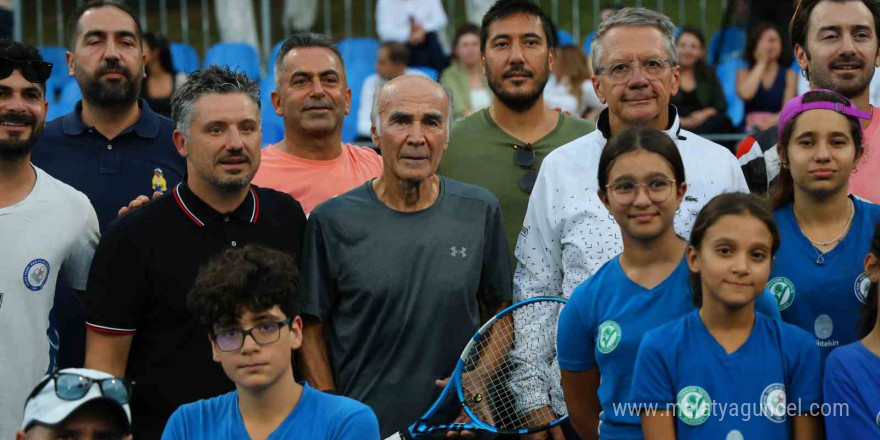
column 823, row 299
column 852, row 378
column 602, row 326
column 752, row 393
column 317, row 416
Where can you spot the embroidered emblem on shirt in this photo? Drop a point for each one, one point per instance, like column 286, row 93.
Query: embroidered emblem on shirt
column 773, row 402
column 783, row 290
column 458, row 253
column 159, row 183
column 35, row 274
column 863, row 284
column 694, row 405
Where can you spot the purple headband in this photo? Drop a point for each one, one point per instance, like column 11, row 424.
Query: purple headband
column 796, row 106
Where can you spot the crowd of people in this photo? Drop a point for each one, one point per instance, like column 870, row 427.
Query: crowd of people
column 204, row 287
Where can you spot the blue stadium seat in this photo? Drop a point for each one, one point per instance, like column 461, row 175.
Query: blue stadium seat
column 726, row 73
column 588, row 41
column 70, row 93
column 360, row 52
column 58, row 109
column 427, row 71
column 563, row 37
column 238, row 56
column 273, row 125
column 355, row 75
column 184, row 58
column 734, row 42
column 57, row 56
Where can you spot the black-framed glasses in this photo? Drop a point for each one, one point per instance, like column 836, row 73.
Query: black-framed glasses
column 263, row 334
column 33, row 71
column 72, row 386
column 623, row 72
column 524, row 156
column 626, row 191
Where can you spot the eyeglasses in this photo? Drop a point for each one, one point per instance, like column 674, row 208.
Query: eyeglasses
column 33, row 71
column 72, row 386
column 524, row 156
column 263, row 334
column 625, row 192
column 623, row 72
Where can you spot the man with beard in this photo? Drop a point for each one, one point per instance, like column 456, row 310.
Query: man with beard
column 311, row 163
column 110, row 146
column 836, row 45
column 47, row 229
column 501, row 147
column 138, row 323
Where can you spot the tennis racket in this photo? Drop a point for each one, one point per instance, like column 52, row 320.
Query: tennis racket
column 482, row 379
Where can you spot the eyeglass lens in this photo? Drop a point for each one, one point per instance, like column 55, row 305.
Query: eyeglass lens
column 74, row 386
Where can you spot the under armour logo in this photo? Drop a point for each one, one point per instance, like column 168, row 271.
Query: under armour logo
column 456, row 253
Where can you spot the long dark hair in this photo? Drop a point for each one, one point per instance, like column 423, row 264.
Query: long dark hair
column 782, row 190
column 729, row 204
column 752, row 39
column 702, row 71
column 640, row 138
column 465, row 29
column 157, row 41
column 868, row 318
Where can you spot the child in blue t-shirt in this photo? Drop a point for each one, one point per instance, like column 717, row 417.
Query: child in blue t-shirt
column 852, row 372
column 642, row 183
column 724, row 371
column 247, row 299
column 817, row 275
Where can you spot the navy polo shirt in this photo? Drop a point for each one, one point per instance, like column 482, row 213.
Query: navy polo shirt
column 144, row 267
column 111, row 173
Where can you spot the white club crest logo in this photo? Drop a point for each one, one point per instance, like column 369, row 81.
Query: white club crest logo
column 458, row 253
column 823, row 327
column 608, row 337
column 863, row 283
column 773, row 402
column 783, row 290
column 694, row 405
column 35, row 274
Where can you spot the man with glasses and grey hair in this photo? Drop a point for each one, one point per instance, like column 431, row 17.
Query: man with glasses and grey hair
column 568, row 234
column 138, row 324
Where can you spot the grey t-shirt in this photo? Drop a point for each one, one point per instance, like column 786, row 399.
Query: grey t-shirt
column 400, row 292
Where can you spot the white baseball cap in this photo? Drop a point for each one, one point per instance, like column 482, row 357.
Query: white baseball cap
column 47, row 408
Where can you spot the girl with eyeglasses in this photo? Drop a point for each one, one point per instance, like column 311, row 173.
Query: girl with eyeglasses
column 642, row 183
column 852, row 382
column 724, row 371
column 818, row 277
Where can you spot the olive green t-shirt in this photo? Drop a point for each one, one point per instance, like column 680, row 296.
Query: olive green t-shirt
column 482, row 154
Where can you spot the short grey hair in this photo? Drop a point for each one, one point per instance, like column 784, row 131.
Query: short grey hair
column 634, row 17
column 374, row 109
column 214, row 79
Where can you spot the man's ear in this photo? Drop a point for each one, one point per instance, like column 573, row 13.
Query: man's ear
column 215, row 352
column 296, row 334
column 179, row 140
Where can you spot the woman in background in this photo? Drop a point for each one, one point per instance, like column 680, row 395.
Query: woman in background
column 764, row 85
column 700, row 100
column 162, row 80
column 569, row 87
column 464, row 77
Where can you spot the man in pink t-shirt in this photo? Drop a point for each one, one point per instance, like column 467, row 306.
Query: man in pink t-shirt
column 311, row 163
column 865, row 182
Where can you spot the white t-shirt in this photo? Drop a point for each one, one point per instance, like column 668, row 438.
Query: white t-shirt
column 52, row 232
column 557, row 94
column 392, row 18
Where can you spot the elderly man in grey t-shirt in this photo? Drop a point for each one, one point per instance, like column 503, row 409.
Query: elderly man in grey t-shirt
column 396, row 270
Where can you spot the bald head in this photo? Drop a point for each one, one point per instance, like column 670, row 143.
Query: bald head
column 410, row 88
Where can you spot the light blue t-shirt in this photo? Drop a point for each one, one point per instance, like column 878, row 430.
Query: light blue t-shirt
column 823, row 299
column 602, row 326
column 752, row 393
column 852, row 378
column 317, row 416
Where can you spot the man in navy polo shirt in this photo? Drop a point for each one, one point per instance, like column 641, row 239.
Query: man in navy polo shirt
column 111, row 145
column 138, row 323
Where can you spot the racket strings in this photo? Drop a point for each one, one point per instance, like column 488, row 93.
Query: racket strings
column 499, row 356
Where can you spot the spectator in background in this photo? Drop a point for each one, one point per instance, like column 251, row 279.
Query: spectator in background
column 311, row 163
column 464, row 77
column 765, row 85
column 700, row 99
column 569, row 87
column 418, row 23
column 6, row 19
column 162, row 80
column 476, row 9
column 300, row 15
column 237, row 22
column 391, row 62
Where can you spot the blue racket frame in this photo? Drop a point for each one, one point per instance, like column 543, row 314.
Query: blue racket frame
column 422, row 428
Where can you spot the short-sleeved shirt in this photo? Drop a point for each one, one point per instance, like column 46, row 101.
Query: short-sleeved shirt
column 51, row 234
column 823, row 299
column 482, row 154
column 852, row 391
column 313, row 181
column 143, row 269
column 748, row 394
column 400, row 291
column 317, row 416
column 603, row 324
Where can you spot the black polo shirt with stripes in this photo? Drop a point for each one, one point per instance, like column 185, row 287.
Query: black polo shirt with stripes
column 143, row 268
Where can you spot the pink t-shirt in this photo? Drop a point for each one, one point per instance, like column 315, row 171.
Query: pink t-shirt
column 865, row 182
column 311, row 182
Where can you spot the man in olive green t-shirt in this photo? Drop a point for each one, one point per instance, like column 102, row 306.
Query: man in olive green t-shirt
column 501, row 148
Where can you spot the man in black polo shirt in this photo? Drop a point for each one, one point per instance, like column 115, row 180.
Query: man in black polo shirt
column 110, row 146
column 138, row 323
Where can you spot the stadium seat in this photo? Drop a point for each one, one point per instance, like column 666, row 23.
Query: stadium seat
column 184, row 58
column 359, row 52
column 734, row 42
column 588, row 41
column 563, row 37
column 726, row 72
column 427, row 71
column 70, row 93
column 58, row 109
column 238, row 56
column 59, row 78
column 270, row 62
column 355, row 75
column 273, row 125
